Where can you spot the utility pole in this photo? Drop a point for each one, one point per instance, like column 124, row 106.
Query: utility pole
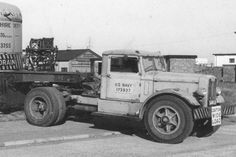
column 89, row 43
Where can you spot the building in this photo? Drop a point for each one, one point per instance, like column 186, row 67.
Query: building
column 77, row 60
column 221, row 59
column 181, row 63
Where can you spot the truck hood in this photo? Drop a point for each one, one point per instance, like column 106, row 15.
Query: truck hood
column 179, row 77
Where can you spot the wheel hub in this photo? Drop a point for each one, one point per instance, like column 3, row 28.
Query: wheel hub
column 166, row 120
column 38, row 108
column 42, row 107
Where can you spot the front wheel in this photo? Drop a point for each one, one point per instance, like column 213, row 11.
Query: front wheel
column 168, row 119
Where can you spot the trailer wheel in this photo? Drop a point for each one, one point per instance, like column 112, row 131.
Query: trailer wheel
column 168, row 119
column 204, row 128
column 43, row 106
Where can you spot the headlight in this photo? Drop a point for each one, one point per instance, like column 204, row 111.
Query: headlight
column 218, row 91
column 201, row 92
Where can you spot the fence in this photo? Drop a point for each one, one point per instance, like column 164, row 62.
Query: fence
column 227, row 73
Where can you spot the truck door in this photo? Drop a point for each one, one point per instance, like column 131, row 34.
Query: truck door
column 123, row 78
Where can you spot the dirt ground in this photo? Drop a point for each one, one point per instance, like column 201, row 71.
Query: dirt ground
column 13, row 116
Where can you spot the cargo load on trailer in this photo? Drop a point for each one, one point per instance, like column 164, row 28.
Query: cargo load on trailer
column 41, row 55
column 10, row 37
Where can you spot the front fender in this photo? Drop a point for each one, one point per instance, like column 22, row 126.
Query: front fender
column 189, row 99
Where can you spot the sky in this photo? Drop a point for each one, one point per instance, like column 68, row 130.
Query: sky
column 174, row 27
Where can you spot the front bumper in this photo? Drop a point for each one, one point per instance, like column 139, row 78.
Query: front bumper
column 205, row 112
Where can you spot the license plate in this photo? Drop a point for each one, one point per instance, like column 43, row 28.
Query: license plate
column 216, row 115
column 212, row 102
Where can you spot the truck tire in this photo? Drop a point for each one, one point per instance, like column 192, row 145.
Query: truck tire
column 43, row 106
column 204, row 128
column 62, row 108
column 168, row 119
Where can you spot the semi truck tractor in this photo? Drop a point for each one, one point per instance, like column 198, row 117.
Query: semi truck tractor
column 135, row 85
column 128, row 83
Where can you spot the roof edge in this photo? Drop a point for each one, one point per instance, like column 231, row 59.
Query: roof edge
column 181, row 56
column 224, row 54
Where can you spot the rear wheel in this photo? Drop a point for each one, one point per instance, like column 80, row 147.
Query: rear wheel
column 44, row 106
column 168, row 119
column 62, row 108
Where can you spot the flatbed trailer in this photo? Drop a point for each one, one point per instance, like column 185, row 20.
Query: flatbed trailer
column 14, row 85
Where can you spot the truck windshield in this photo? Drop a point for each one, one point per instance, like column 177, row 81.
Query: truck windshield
column 153, row 64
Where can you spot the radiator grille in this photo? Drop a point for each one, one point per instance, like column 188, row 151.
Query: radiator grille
column 212, row 89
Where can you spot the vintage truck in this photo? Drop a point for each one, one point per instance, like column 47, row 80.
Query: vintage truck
column 135, row 84
column 131, row 84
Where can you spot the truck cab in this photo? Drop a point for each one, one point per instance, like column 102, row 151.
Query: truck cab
column 136, row 77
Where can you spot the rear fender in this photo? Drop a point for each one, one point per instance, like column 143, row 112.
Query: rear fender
column 186, row 97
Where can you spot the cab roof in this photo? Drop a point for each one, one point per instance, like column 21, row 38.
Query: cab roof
column 132, row 53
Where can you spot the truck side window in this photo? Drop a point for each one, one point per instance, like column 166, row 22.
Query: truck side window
column 99, row 68
column 124, row 64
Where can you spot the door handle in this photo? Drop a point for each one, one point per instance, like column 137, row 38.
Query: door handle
column 108, row 75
